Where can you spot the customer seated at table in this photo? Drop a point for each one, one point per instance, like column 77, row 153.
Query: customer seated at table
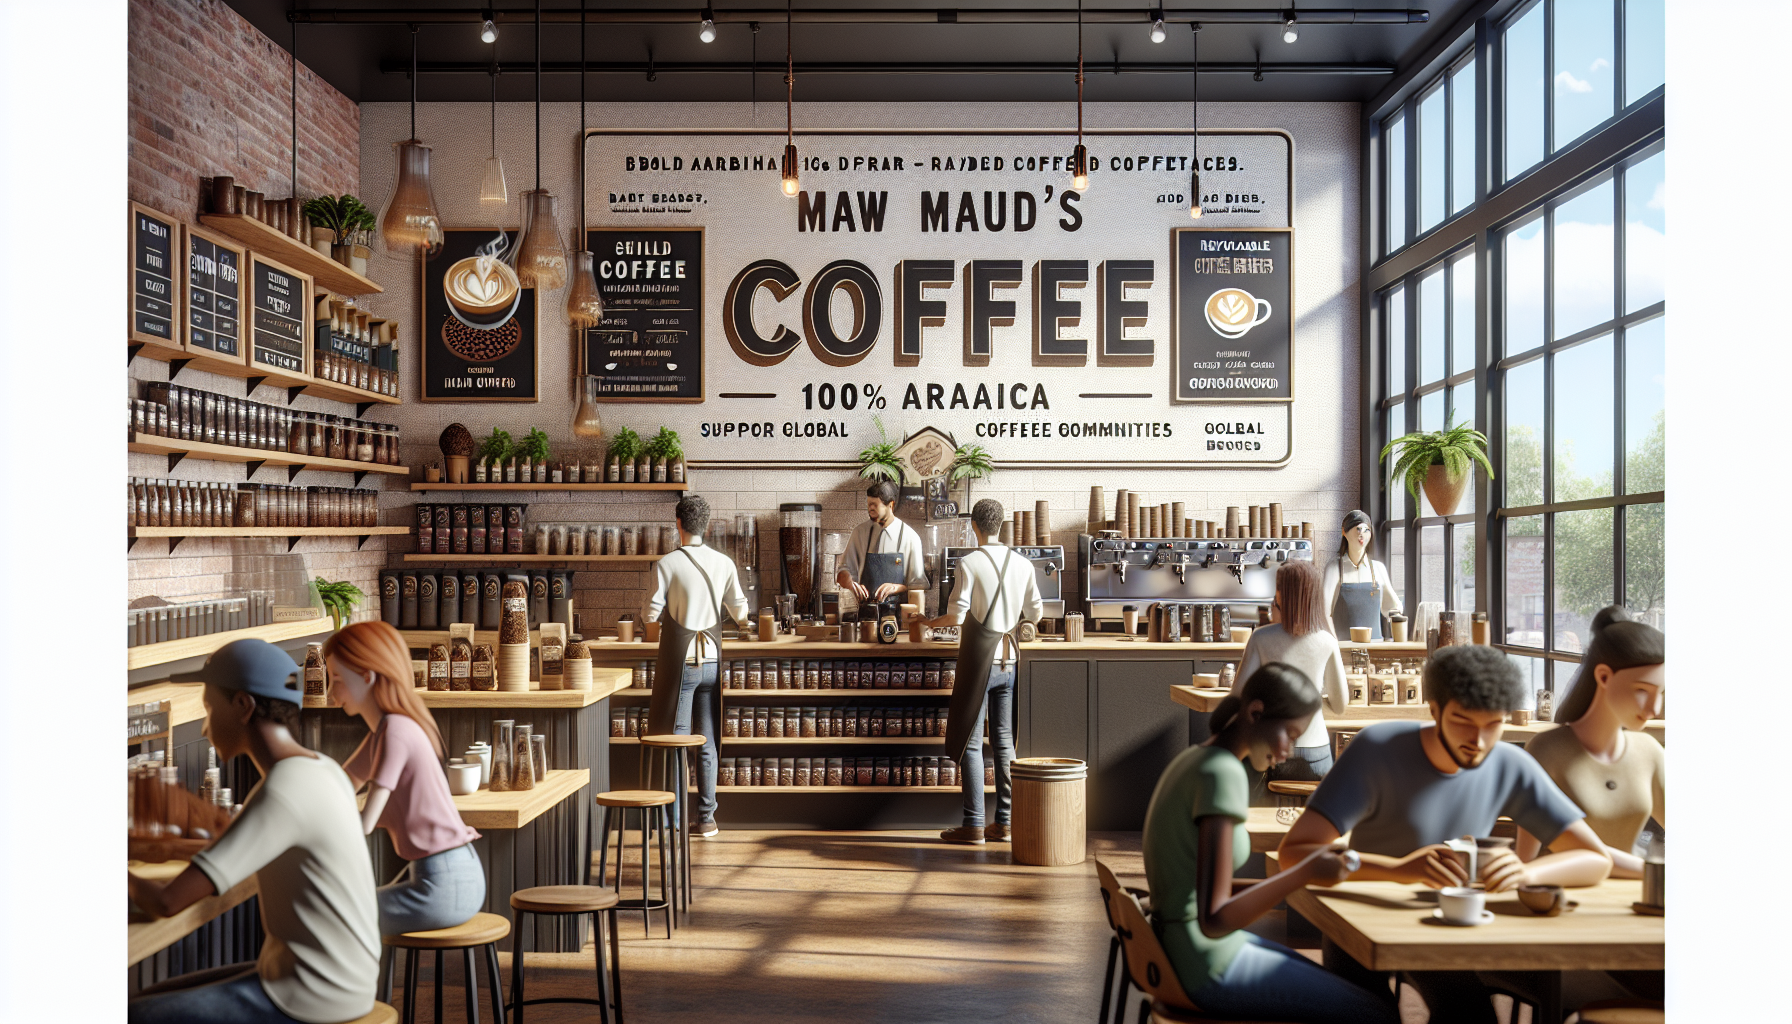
column 298, row 835
column 401, row 761
column 1601, row 757
column 1403, row 788
column 1195, row 838
column 1297, row 636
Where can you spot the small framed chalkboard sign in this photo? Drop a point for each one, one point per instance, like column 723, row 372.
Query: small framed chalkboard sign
column 214, row 296
column 649, row 347
column 155, row 278
column 279, row 317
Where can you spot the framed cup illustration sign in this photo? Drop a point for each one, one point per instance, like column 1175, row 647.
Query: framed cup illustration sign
column 214, row 296
column 279, row 299
column 1232, row 314
column 481, row 327
column 155, row 278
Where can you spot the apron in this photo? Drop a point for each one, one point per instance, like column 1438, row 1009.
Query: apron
column 1358, row 604
column 883, row 568
column 669, row 663
column 978, row 646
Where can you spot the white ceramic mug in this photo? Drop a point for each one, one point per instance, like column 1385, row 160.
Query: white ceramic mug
column 1461, row 905
column 482, row 753
column 463, row 779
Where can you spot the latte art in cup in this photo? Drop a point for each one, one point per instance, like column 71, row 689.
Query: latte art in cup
column 1232, row 312
column 480, row 285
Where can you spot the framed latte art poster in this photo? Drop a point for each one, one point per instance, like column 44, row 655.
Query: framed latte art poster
column 1232, row 314
column 480, row 327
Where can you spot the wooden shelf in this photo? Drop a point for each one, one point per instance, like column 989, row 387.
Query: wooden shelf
column 837, row 789
column 604, row 682
column 343, row 393
column 486, row 809
column 176, row 534
column 202, row 646
column 295, row 384
column 418, row 559
column 255, row 458
column 839, row 741
column 420, row 486
column 835, row 692
column 325, row 272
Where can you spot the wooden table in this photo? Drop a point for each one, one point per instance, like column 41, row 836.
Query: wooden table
column 144, row 939
column 1359, row 716
column 488, row 810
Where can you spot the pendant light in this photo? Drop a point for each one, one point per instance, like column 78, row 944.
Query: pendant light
column 409, row 222
column 494, row 190
column 584, row 303
column 1079, row 157
column 1194, row 135
column 788, row 166
column 540, row 259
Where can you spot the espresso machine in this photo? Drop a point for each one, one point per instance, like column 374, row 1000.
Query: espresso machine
column 1048, row 574
column 1137, row 572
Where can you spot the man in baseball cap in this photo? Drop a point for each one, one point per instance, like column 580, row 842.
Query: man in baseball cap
column 300, row 836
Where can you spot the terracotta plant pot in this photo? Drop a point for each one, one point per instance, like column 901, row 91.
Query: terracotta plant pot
column 1444, row 491
column 457, row 468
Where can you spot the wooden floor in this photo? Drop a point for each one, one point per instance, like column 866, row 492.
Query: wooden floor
column 860, row 928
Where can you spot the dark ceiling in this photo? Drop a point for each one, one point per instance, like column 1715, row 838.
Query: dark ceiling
column 920, row 61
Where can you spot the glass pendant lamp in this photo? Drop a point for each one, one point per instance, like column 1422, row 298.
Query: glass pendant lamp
column 409, row 222
column 586, row 422
column 1194, row 130
column 584, row 304
column 540, row 258
column 494, row 190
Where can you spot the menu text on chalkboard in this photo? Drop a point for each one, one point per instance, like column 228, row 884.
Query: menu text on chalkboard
column 1233, row 293
column 649, row 347
column 278, row 311
column 153, row 296
column 214, row 296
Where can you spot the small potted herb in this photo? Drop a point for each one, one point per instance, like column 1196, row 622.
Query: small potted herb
column 492, row 452
column 880, row 461
column 339, row 598
column 534, row 449
column 344, row 217
column 1442, row 461
column 969, row 462
column 668, row 456
column 625, row 447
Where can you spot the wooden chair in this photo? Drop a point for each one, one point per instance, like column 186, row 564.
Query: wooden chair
column 653, row 807
column 667, row 758
column 1623, row 1011
column 1111, row 888
column 482, row 929
column 1150, row 969
column 600, row 903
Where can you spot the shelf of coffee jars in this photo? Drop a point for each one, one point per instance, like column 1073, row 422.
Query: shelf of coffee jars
column 177, row 449
column 336, row 392
column 176, row 534
column 179, row 359
column 425, row 486
column 831, row 741
column 732, row 693
column 145, row 655
column 422, row 559
column 325, row 272
column 836, row 789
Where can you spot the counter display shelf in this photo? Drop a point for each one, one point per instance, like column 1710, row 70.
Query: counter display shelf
column 438, row 486
column 147, row 655
column 293, row 534
column 254, row 458
column 458, row 560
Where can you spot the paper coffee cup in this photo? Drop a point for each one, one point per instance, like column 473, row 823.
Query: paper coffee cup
column 1360, row 634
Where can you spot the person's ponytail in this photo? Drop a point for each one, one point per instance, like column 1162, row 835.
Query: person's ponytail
column 1224, row 713
column 1618, row 642
column 1284, row 691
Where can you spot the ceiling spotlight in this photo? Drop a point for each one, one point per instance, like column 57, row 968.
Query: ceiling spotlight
column 488, row 32
column 708, row 32
column 1157, row 25
column 1290, row 31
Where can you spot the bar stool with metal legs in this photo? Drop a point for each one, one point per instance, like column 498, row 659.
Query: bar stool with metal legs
column 561, row 900
column 665, row 763
column 482, row 929
column 653, row 806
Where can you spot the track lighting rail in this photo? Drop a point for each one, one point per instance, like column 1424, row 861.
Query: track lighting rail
column 1140, row 15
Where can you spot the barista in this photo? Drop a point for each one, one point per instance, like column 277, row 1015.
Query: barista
column 1358, row 590
column 883, row 559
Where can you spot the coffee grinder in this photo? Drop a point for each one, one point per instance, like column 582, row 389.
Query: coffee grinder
column 799, row 544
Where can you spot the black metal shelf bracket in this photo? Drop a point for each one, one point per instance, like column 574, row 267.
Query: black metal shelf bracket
column 174, row 459
column 293, row 393
column 253, row 382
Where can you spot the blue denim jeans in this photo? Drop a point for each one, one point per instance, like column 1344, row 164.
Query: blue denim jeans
column 998, row 707
column 225, row 995
column 1453, row 997
column 1269, row 981
column 699, row 710
column 440, row 891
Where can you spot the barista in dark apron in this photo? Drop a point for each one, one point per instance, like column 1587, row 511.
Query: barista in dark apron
column 978, row 645
column 889, row 567
column 1358, row 605
column 663, row 706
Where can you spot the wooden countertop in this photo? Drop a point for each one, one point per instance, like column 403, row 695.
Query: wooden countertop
column 145, row 655
column 790, row 645
column 187, row 699
column 188, row 702
column 144, row 939
column 1357, row 716
column 486, row 809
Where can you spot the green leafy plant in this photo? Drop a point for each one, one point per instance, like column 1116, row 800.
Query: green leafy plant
column 340, row 599
column 625, row 445
column 971, row 461
column 1457, row 448
column 496, row 448
column 880, row 461
column 666, row 445
column 342, row 214
column 535, row 446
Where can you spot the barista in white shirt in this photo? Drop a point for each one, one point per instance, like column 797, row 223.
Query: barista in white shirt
column 899, row 566
column 995, row 590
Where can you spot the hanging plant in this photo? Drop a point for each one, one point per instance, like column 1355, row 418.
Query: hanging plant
column 1441, row 461
column 880, row 461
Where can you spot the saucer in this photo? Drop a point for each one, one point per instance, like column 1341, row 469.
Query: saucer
column 1437, row 917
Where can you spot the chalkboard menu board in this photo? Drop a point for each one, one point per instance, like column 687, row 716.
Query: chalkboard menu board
column 155, row 281
column 480, row 328
column 649, row 347
column 279, row 316
column 1233, row 301
column 214, row 295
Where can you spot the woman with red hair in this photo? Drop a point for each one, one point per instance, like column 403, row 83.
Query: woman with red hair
column 401, row 761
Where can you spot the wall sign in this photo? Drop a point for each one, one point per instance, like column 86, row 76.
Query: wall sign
column 1233, row 314
column 279, row 316
column 214, row 295
column 479, row 324
column 650, row 346
column 947, row 280
column 155, row 278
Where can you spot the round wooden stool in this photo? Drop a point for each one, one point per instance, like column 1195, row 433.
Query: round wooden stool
column 653, row 807
column 666, row 758
column 600, row 903
column 380, row 1014
column 481, row 930
column 1622, row 1011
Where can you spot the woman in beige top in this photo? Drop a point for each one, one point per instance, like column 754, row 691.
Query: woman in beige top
column 1601, row 757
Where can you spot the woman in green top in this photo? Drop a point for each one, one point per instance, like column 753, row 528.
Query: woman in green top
column 1195, row 838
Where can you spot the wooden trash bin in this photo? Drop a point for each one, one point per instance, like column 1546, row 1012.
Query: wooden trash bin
column 1049, row 810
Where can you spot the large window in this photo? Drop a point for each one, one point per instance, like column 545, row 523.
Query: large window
column 1442, row 133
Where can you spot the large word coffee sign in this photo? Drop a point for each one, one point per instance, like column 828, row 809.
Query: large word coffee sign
column 953, row 281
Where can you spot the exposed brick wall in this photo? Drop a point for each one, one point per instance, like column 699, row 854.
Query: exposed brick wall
column 209, row 94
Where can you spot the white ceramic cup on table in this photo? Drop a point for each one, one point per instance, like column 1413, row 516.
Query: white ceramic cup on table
column 1461, row 905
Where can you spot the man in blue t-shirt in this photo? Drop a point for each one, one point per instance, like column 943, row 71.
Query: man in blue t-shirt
column 1404, row 788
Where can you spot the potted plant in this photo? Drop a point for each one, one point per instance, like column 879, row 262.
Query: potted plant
column 340, row 599
column 345, row 217
column 1442, row 461
column 534, row 449
column 880, row 461
column 625, row 446
column 969, row 462
column 492, row 453
column 668, row 456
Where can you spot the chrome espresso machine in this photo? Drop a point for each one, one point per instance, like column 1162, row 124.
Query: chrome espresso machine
column 1048, row 573
column 1137, row 572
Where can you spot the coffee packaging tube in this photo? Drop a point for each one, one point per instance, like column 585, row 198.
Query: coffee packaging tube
column 491, row 584
column 560, row 597
column 444, row 530
column 407, row 601
column 469, row 598
column 514, row 519
column 429, row 603
column 449, row 590
column 476, row 530
column 459, row 520
column 539, row 589
column 389, row 601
